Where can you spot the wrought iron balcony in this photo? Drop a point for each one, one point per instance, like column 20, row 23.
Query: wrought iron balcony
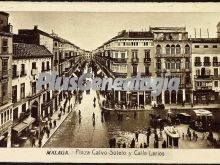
column 207, row 63
column 198, row 63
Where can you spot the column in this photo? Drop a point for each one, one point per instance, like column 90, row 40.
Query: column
column 170, row 96
column 144, row 98
column 163, row 97
column 119, row 95
column 184, row 95
column 138, row 98
column 9, row 138
column 176, row 96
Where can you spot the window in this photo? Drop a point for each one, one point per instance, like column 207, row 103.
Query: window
column 187, row 64
column 134, row 70
column 5, row 46
column 14, row 71
column 216, row 71
column 187, row 49
column 173, row 49
column 158, row 64
column 4, row 89
column 22, row 90
column 145, row 43
column 172, row 64
column 216, row 83
column 4, row 67
column 206, row 61
column 23, row 108
column 147, row 71
column 7, row 114
column 15, row 114
column 48, row 65
column 116, row 54
column 34, row 65
column 147, row 54
column 177, row 64
column 214, row 46
column 215, row 59
column 206, row 46
column 178, row 49
column 197, row 59
column 158, row 49
column 167, row 64
column 196, row 46
column 14, row 93
column 23, row 70
column 43, row 66
column 134, row 54
column 33, row 88
column 2, row 118
column 168, row 49
column 123, row 55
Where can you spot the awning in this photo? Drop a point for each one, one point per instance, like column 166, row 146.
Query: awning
column 20, row 127
column 29, row 120
column 2, row 137
column 202, row 112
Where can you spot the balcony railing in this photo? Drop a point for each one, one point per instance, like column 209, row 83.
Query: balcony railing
column 198, row 63
column 134, row 60
column 216, row 63
column 147, row 60
column 120, row 60
column 203, row 87
column 207, row 63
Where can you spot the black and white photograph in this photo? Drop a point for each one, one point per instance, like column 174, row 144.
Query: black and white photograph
column 142, row 80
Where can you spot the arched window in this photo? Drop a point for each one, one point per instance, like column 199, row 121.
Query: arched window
column 172, row 64
column 178, row 64
column 187, row 49
column 168, row 49
column 178, row 49
column 173, row 49
column 167, row 64
column 158, row 49
column 158, row 64
column 187, row 64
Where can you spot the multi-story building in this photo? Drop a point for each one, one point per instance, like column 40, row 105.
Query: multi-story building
column 206, row 69
column 126, row 55
column 29, row 104
column 5, row 80
column 173, row 59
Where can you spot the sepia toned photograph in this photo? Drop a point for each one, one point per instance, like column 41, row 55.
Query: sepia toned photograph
column 144, row 80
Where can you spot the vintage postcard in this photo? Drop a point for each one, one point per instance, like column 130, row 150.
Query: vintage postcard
column 110, row 82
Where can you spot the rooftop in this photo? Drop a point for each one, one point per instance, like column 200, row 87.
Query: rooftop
column 22, row 50
column 168, row 29
column 4, row 13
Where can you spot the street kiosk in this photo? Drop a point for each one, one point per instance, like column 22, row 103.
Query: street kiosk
column 172, row 136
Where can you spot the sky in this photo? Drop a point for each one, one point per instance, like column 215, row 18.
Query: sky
column 89, row 30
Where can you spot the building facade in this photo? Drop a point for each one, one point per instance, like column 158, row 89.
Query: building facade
column 5, row 80
column 173, row 59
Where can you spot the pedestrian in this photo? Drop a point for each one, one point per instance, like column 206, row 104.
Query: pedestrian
column 37, row 134
column 79, row 113
column 196, row 137
column 55, row 123
column 119, row 145
column 110, row 143
column 183, row 136
column 141, row 146
column 133, row 143
column 190, row 135
column 164, row 144
column 136, row 136
column 148, row 138
column 124, row 145
column 39, row 142
column 114, row 142
column 93, row 116
column 33, row 142
column 145, row 145
column 48, row 133
column 50, row 124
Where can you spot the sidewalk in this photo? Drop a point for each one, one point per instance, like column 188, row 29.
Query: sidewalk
column 28, row 143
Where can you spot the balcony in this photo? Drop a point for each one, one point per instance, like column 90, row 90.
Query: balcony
column 34, row 72
column 216, row 64
column 202, row 76
column 147, row 60
column 120, row 60
column 198, row 63
column 134, row 60
column 23, row 73
column 15, row 74
column 207, row 63
column 203, row 87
